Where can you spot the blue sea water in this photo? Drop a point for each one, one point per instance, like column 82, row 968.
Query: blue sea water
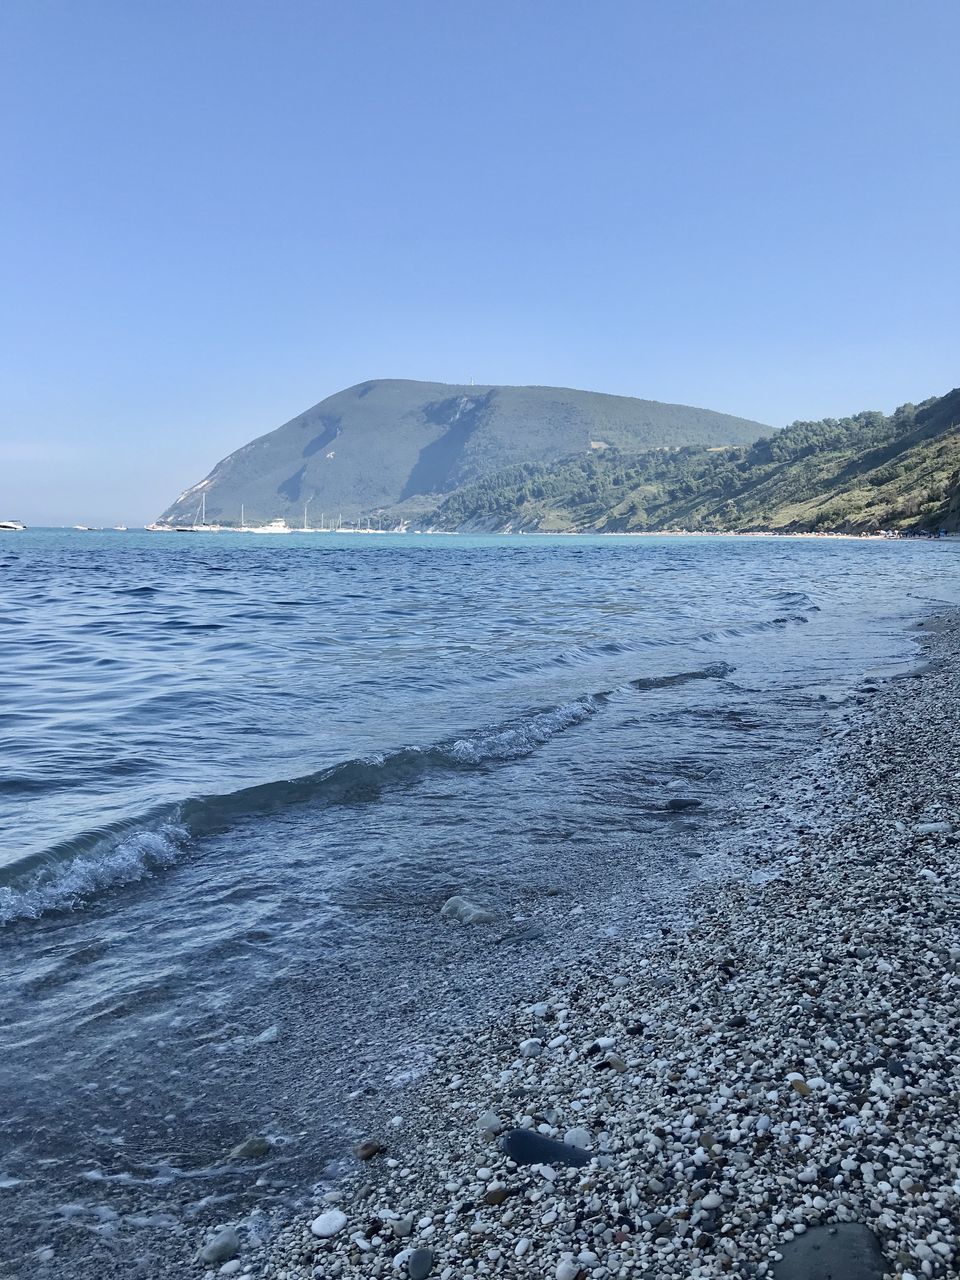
column 239, row 776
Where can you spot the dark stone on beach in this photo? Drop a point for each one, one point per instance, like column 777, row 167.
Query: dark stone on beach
column 367, row 1150
column 497, row 1195
column 847, row 1251
column 528, row 934
column 419, row 1264
column 683, row 802
column 526, row 1146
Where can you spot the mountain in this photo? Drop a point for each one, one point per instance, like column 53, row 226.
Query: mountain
column 400, row 447
column 871, row 471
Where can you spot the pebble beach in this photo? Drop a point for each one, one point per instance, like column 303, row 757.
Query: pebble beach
column 785, row 1070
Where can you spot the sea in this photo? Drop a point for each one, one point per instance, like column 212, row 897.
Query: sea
column 240, row 776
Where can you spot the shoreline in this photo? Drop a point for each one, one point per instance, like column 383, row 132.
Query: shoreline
column 731, row 1107
column 893, row 535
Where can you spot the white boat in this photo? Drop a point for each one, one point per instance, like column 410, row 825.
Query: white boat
column 119, row 528
column 275, row 526
column 12, row 526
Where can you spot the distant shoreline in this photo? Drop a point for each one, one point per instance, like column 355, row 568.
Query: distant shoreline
column 885, row 536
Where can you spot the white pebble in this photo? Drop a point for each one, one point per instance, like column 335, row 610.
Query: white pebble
column 328, row 1224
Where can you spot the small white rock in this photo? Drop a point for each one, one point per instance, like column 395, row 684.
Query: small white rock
column 328, row 1224
column 578, row 1137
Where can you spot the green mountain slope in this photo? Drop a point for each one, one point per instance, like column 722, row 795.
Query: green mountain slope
column 399, row 447
column 867, row 472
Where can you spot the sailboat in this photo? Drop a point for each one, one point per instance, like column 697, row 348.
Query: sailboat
column 199, row 521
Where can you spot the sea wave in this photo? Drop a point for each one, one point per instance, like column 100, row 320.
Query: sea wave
column 64, row 886
column 714, row 671
column 67, row 877
column 741, row 630
column 518, row 739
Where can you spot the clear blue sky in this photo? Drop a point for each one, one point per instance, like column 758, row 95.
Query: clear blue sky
column 217, row 212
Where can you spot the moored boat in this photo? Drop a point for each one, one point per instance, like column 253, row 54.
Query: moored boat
column 199, row 521
column 275, row 526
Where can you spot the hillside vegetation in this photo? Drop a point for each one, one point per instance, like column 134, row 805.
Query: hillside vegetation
column 868, row 472
column 399, row 447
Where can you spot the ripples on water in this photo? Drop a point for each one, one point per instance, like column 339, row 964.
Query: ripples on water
column 238, row 780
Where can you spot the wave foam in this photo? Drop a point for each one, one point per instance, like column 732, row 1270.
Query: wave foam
column 520, row 738
column 133, row 857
